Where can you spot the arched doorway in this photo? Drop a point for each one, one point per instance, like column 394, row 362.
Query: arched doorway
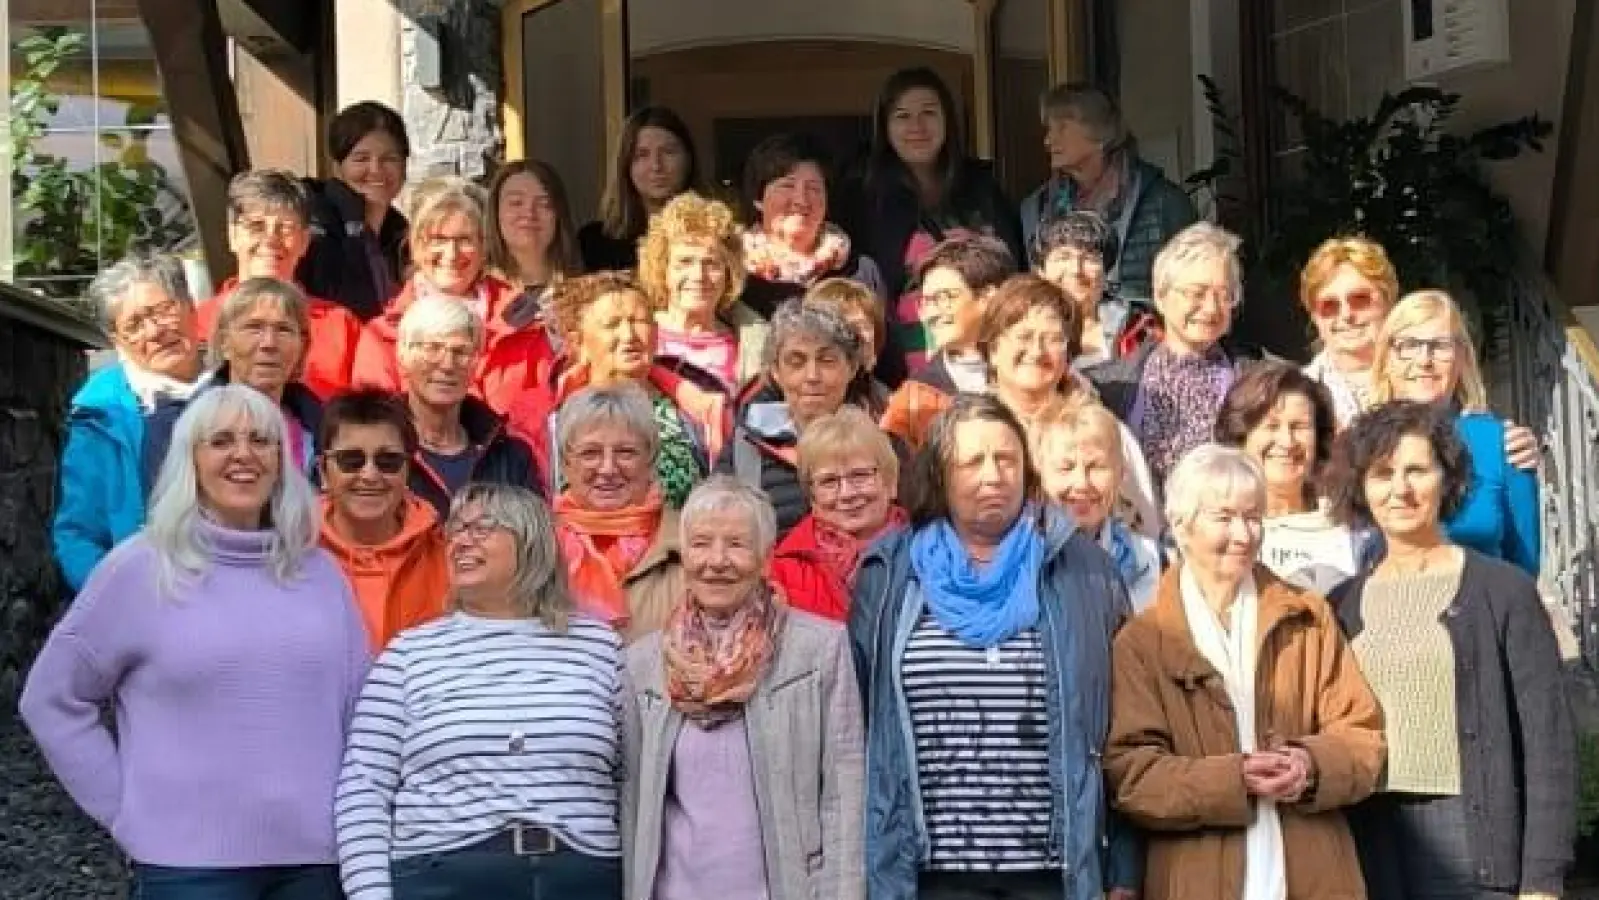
column 737, row 70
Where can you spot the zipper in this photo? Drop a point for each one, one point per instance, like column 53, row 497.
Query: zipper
column 1061, row 826
column 902, row 639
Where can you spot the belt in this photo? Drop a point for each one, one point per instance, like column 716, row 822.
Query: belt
column 522, row 839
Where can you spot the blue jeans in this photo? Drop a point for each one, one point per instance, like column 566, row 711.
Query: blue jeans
column 489, row 870
column 260, row 883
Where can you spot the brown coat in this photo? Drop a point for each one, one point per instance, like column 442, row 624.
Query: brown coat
column 656, row 581
column 1173, row 758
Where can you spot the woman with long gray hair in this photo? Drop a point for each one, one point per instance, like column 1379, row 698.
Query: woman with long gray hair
column 485, row 757
column 144, row 305
column 230, row 647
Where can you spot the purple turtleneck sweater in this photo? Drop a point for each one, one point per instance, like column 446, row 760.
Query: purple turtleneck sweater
column 232, row 698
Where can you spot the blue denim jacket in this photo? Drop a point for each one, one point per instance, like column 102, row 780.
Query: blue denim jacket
column 1082, row 604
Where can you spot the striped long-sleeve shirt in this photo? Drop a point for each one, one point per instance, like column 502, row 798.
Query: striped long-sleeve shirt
column 467, row 725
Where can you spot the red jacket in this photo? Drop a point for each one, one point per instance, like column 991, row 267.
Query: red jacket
column 330, row 346
column 799, row 568
column 513, row 360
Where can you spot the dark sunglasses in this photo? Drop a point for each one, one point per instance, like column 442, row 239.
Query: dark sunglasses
column 352, row 460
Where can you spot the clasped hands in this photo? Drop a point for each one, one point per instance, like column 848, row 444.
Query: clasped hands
column 1280, row 774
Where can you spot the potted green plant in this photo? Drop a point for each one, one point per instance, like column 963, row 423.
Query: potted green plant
column 1400, row 177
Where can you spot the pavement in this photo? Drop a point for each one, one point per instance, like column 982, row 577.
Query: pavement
column 48, row 849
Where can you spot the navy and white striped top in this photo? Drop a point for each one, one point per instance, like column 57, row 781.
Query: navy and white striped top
column 469, row 724
column 982, row 749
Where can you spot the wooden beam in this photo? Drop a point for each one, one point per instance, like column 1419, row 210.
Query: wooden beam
column 267, row 25
column 613, row 61
column 191, row 52
column 1572, row 253
column 1065, row 22
column 983, row 128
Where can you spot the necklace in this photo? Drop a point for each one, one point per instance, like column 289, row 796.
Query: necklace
column 1424, row 562
column 453, row 442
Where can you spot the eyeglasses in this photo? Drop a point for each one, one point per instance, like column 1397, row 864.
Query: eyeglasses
column 592, row 456
column 1413, row 349
column 1199, row 293
column 478, row 529
column 433, row 352
column 944, row 299
column 165, row 313
column 1355, row 301
column 282, row 229
column 858, row 480
column 352, row 460
column 463, row 243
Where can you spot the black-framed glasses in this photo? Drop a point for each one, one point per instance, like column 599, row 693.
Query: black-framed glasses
column 1414, row 349
column 478, row 529
column 353, row 460
column 829, row 485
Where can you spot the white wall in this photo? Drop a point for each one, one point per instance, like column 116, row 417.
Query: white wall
column 1157, row 89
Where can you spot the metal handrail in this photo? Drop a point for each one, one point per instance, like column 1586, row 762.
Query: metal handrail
column 1545, row 374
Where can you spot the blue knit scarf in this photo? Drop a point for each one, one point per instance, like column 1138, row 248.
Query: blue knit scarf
column 981, row 607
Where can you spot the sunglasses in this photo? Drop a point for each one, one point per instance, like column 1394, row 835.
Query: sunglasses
column 1357, row 301
column 352, row 460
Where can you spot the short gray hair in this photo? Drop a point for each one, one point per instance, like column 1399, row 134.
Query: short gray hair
column 1199, row 242
column 721, row 493
column 175, row 502
column 1205, row 473
column 243, row 298
column 1090, row 107
column 620, row 404
column 111, row 286
column 797, row 319
column 538, row 589
column 434, row 316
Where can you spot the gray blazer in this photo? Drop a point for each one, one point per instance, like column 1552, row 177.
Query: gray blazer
column 807, row 750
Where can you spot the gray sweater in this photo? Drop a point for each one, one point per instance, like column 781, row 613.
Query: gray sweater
column 807, row 759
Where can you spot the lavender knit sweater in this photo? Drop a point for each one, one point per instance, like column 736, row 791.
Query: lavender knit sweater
column 232, row 700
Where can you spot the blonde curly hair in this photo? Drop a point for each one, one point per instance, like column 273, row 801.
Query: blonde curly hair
column 1364, row 255
column 689, row 217
column 571, row 298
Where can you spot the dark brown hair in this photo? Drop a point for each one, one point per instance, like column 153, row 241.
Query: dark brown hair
column 981, row 262
column 356, row 122
column 564, row 259
column 775, row 158
column 929, row 480
column 623, row 215
column 1375, row 435
column 366, row 406
column 573, row 296
column 1256, row 391
column 1020, row 295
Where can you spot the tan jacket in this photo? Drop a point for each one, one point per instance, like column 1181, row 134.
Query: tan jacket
column 1173, row 759
column 656, row 582
column 807, row 753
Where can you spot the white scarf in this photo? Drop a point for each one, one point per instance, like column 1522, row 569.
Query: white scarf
column 1234, row 652
column 1348, row 401
column 148, row 387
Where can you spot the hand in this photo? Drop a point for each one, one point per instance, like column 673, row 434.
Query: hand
column 1277, row 775
column 1521, row 447
column 1121, row 894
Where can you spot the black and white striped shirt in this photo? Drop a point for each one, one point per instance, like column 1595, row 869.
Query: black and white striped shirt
column 982, row 749
column 469, row 724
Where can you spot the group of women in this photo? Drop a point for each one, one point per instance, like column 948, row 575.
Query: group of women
column 883, row 556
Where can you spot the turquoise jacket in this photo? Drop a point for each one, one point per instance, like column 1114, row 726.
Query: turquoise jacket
column 1500, row 514
column 102, row 495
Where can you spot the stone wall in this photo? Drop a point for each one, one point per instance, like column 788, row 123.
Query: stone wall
column 455, row 130
column 39, row 370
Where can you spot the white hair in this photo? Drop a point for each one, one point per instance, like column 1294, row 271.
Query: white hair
column 623, row 404
column 1206, row 473
column 175, row 501
column 539, row 588
column 110, row 288
column 433, row 316
column 723, row 493
column 1199, row 242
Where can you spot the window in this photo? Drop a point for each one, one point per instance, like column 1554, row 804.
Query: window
column 95, row 170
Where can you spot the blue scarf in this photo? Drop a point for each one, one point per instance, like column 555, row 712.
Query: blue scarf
column 983, row 607
column 1119, row 544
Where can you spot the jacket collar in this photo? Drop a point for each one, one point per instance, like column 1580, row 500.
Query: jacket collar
column 351, row 208
column 665, row 547
column 1279, row 602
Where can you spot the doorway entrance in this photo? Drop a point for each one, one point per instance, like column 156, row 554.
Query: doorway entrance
column 737, row 71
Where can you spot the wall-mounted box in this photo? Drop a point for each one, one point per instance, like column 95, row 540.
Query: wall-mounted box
column 1444, row 36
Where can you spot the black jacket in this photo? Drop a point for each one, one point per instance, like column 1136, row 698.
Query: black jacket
column 335, row 267
column 1118, row 380
column 502, row 458
column 1517, row 747
column 763, row 296
column 882, row 214
column 602, row 253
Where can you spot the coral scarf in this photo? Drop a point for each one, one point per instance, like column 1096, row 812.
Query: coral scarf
column 840, row 552
column 766, row 258
column 596, row 574
column 713, row 663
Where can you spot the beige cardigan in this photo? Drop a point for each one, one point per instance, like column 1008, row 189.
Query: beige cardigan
column 807, row 752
